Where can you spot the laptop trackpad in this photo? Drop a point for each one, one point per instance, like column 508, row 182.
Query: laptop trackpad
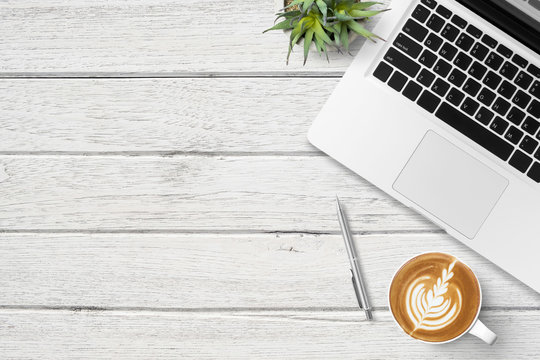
column 450, row 184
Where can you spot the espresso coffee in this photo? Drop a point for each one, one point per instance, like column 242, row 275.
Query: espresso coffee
column 434, row 297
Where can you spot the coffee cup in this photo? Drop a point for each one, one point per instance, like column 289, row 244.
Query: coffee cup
column 436, row 298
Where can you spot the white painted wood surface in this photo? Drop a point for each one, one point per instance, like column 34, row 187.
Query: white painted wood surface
column 191, row 193
column 204, row 271
column 296, row 334
column 148, row 36
column 173, row 208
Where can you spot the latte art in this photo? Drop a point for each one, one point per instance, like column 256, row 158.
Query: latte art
column 435, row 308
column 435, row 297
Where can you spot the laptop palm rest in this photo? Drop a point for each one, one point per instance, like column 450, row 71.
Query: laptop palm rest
column 450, row 184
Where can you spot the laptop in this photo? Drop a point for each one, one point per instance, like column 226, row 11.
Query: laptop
column 445, row 117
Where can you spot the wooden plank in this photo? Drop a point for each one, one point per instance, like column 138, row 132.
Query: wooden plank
column 164, row 115
column 201, row 271
column 248, row 335
column 149, row 36
column 209, row 193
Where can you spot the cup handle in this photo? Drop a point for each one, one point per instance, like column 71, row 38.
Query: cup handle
column 482, row 332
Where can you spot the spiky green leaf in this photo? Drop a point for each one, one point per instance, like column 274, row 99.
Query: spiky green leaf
column 307, row 4
column 307, row 43
column 293, row 42
column 364, row 5
column 284, row 25
column 323, row 8
column 365, row 13
column 344, row 36
column 319, row 31
column 288, row 15
column 359, row 29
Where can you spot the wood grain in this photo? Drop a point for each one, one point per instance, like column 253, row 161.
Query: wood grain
column 160, row 115
column 183, row 193
column 148, row 36
column 201, row 271
column 247, row 335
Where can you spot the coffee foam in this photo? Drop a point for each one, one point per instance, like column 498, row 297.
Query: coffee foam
column 434, row 297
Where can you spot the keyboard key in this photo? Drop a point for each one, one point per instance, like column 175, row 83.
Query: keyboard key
column 429, row 101
column 530, row 125
column 513, row 135
column 397, row 81
column 515, row 115
column 442, row 68
column 528, row 144
column 455, row 96
column 450, row 32
column 499, row 125
column 474, row 31
column 459, row 21
column 469, row 106
column 520, row 161
column 479, row 51
column 506, row 89
column 489, row 41
column 408, row 45
column 435, row 23
column 484, row 116
column 464, row 42
column 523, row 80
column 534, row 70
column 415, row 30
column 433, row 42
column 492, row 80
column 534, row 172
column 471, row 87
column 534, row 109
column 517, row 59
column 427, row 58
column 463, row 61
column 425, row 77
column 474, row 131
column 402, row 62
column 508, row 70
column 501, row 106
column 430, row 3
column 457, row 77
column 494, row 61
column 521, row 99
column 477, row 70
column 486, row 96
column 444, row 12
column 420, row 13
column 412, row 90
column 440, row 87
column 504, row 51
column 448, row 51
column 535, row 89
column 537, row 155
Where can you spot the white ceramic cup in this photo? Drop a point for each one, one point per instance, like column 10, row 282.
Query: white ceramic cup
column 477, row 328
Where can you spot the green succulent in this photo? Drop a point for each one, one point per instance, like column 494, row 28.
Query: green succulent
column 324, row 23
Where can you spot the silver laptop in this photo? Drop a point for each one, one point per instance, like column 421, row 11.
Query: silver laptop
column 450, row 122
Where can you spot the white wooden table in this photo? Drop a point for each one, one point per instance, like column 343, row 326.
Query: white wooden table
column 161, row 200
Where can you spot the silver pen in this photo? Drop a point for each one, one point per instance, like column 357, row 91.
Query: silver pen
column 357, row 281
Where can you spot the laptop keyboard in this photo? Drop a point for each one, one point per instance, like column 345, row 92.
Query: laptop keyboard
column 470, row 81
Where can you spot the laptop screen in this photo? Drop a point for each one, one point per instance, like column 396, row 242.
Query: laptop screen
column 519, row 18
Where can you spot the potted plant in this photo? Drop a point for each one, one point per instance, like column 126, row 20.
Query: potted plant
column 317, row 24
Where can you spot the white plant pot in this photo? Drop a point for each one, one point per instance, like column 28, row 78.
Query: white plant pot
column 280, row 4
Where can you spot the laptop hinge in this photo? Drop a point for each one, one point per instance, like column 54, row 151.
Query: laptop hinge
column 507, row 18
